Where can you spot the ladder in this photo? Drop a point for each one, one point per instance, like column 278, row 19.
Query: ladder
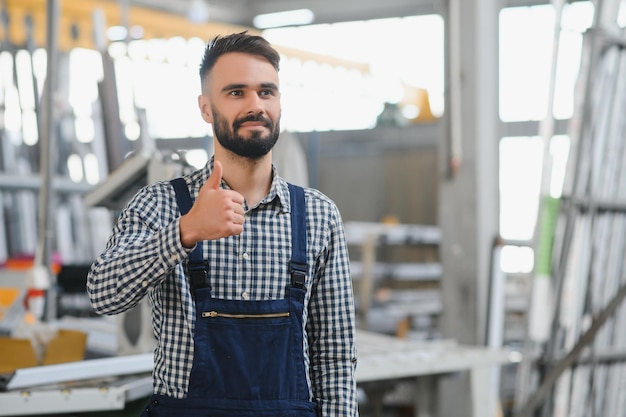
column 581, row 369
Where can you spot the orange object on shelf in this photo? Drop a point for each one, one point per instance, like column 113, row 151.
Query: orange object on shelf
column 26, row 263
column 8, row 296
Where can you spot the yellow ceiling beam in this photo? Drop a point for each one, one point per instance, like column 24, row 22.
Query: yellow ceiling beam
column 323, row 59
column 80, row 14
column 76, row 26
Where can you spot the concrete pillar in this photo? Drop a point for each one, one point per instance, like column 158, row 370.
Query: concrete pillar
column 469, row 198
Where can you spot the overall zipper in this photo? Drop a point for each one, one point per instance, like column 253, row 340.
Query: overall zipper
column 211, row 314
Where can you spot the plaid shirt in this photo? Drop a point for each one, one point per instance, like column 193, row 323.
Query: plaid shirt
column 144, row 255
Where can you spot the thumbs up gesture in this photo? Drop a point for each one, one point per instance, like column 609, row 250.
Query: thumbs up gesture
column 215, row 214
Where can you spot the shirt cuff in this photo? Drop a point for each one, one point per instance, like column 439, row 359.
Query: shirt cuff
column 172, row 250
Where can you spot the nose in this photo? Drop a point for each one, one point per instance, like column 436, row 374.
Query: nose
column 255, row 104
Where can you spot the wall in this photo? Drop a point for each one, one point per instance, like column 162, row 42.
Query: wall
column 377, row 173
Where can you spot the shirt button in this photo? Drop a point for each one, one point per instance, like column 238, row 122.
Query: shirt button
column 144, row 283
column 245, row 256
column 245, row 295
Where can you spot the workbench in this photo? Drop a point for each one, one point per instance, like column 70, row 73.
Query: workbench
column 109, row 383
column 384, row 358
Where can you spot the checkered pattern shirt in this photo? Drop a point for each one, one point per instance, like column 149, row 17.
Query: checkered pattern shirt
column 144, row 256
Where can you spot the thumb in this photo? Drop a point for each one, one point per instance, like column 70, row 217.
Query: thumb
column 215, row 178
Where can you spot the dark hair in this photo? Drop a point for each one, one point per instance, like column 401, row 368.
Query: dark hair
column 236, row 42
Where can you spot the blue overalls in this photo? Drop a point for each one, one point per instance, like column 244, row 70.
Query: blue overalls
column 248, row 355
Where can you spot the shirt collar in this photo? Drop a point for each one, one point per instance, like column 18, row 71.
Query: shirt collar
column 279, row 188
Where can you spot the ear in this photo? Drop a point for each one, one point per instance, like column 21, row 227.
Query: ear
column 205, row 108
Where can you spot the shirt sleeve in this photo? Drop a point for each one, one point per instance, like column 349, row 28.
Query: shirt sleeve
column 143, row 248
column 331, row 327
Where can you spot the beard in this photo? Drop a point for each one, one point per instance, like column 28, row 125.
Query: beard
column 253, row 147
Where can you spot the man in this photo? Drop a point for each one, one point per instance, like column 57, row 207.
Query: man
column 250, row 286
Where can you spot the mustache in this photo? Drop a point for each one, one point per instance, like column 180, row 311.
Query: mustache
column 253, row 118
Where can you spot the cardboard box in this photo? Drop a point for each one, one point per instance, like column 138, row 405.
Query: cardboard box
column 16, row 354
column 66, row 346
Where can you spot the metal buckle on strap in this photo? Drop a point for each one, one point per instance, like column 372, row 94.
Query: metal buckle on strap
column 298, row 274
column 197, row 273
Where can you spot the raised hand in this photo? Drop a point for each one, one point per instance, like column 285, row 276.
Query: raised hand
column 215, row 214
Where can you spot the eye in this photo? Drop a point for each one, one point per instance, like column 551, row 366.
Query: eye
column 235, row 93
column 268, row 92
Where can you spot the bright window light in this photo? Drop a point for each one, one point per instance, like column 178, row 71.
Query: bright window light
column 25, row 79
column 92, row 169
column 521, row 161
column 85, row 130
column 197, row 157
column 517, row 259
column 310, row 87
column 621, row 16
column 29, row 127
column 526, row 41
column 287, row 18
column 117, row 33
column 75, row 167
column 132, row 130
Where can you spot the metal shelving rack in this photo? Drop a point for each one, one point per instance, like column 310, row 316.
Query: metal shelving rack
column 411, row 286
column 581, row 369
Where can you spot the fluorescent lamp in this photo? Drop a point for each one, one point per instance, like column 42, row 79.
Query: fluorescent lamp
column 287, row 18
column 198, row 11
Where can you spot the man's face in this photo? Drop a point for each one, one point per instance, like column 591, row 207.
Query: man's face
column 243, row 104
column 232, row 137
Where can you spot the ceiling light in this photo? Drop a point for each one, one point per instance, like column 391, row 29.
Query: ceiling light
column 198, row 11
column 287, row 18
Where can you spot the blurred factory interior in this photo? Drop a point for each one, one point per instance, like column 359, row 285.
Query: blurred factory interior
column 475, row 148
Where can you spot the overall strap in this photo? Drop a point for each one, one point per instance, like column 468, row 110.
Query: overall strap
column 298, row 267
column 196, row 266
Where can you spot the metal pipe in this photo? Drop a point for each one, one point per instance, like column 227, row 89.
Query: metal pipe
column 47, row 140
column 12, row 182
column 572, row 356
